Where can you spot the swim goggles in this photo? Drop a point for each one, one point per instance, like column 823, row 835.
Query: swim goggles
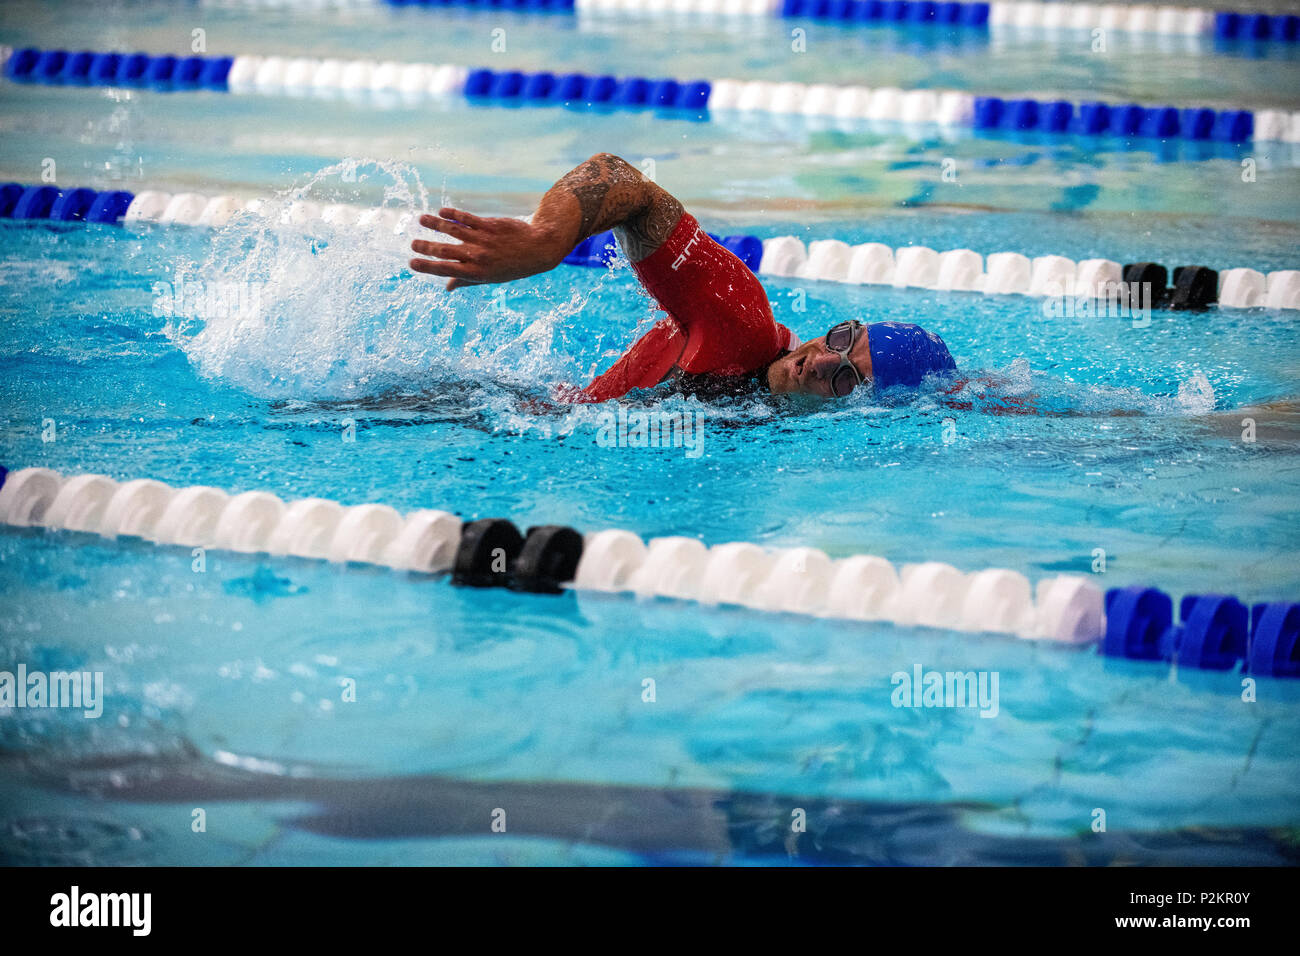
column 840, row 340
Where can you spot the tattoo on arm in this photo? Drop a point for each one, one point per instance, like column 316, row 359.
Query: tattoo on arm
column 611, row 194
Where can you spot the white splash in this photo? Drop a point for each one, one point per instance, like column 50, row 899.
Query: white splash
column 1196, row 395
column 340, row 316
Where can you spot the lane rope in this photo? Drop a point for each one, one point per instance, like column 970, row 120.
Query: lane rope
column 1000, row 15
column 276, row 75
column 1122, row 286
column 1215, row 632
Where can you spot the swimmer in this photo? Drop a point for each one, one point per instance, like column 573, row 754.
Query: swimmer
column 719, row 337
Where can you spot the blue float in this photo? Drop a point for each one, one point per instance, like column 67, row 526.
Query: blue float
column 1233, row 126
column 479, row 83
column 569, row 87
column 948, row 13
column 188, row 74
column 1021, row 114
column 581, row 253
column 1055, row 117
column 48, row 65
column 1213, row 634
column 1227, row 25
column 1255, row 26
column 103, row 68
column 76, row 70
column 158, row 75
column 975, row 14
column 633, row 91
column 1091, row 119
column 603, row 249
column 1275, row 640
column 538, row 86
column 72, row 205
column 1197, row 123
column 109, row 206
column 664, row 93
column 1159, row 122
column 1286, row 27
column 988, row 111
column 506, row 85
column 1126, row 120
column 842, row 9
column 131, row 69
column 749, row 249
column 922, row 11
column 1136, row 620
column 216, row 73
column 894, row 10
column 21, row 62
column 9, row 195
column 35, row 202
column 693, row 96
column 599, row 89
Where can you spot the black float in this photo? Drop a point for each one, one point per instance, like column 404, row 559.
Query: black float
column 1195, row 287
column 492, row 553
column 548, row 559
column 487, row 551
column 1136, row 273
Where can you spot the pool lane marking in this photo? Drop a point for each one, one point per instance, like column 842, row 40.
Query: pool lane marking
column 1127, row 288
column 276, row 75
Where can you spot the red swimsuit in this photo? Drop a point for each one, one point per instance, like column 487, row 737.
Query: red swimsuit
column 719, row 320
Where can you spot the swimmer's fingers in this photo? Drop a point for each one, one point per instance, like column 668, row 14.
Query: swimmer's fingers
column 446, row 226
column 457, row 252
column 462, row 217
column 459, row 272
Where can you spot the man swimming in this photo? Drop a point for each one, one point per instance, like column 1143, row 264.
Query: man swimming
column 719, row 336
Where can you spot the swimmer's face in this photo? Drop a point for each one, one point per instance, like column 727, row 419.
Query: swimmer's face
column 811, row 367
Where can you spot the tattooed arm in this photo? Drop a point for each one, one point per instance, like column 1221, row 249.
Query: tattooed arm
column 603, row 193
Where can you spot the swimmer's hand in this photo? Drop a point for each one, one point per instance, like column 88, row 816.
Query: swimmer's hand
column 603, row 193
column 489, row 250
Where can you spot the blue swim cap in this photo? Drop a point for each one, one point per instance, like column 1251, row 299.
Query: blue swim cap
column 904, row 354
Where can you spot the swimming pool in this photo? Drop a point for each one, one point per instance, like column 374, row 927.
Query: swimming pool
column 222, row 686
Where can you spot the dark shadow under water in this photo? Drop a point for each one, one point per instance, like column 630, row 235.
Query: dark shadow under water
column 662, row 824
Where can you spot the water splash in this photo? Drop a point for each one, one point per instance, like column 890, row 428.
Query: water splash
column 330, row 312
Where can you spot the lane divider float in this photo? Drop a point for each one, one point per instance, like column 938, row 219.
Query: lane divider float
column 492, row 552
column 275, row 75
column 828, row 260
column 999, row 14
column 1012, row 273
column 1144, row 18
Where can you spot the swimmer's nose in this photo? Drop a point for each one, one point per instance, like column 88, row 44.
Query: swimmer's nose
column 823, row 366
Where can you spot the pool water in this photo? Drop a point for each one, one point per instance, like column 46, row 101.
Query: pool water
column 222, row 685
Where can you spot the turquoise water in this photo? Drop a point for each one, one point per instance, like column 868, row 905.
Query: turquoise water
column 223, row 686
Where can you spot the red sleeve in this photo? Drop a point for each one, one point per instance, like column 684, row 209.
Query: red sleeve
column 717, row 301
column 644, row 365
column 719, row 317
